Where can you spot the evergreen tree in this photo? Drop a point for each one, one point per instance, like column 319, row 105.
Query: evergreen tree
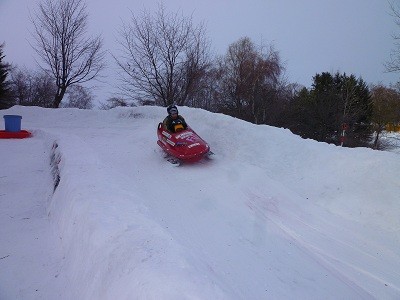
column 334, row 101
column 5, row 97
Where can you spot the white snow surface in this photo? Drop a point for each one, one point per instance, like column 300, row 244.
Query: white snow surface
column 272, row 216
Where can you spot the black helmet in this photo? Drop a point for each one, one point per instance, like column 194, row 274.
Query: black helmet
column 172, row 109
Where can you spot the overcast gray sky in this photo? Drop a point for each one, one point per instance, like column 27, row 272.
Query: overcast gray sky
column 312, row 36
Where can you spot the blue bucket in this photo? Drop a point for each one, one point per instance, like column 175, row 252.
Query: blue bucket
column 12, row 123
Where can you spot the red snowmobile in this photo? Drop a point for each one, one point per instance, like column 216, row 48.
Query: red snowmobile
column 182, row 146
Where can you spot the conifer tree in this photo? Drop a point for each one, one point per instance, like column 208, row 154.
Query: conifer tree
column 5, row 99
column 334, row 102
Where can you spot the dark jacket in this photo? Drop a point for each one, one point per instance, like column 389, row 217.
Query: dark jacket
column 170, row 124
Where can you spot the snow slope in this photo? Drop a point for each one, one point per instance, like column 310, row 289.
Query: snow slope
column 272, row 216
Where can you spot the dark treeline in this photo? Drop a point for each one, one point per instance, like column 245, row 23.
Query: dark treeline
column 164, row 58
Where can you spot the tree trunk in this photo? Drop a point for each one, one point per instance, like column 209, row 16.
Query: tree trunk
column 58, row 97
column 376, row 140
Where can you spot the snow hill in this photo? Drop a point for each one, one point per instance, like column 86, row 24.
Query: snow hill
column 272, row 216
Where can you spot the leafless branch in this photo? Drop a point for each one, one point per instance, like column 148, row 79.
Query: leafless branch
column 161, row 56
column 60, row 32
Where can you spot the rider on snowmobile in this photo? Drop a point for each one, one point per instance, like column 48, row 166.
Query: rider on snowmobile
column 174, row 122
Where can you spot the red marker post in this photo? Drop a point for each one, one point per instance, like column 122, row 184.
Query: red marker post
column 343, row 136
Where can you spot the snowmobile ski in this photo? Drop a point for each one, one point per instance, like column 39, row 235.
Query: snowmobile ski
column 174, row 161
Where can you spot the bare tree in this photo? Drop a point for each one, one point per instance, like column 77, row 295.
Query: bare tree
column 250, row 80
column 60, row 32
column 115, row 102
column 207, row 91
column 163, row 57
column 393, row 65
column 32, row 88
column 79, row 97
column 352, row 91
column 386, row 110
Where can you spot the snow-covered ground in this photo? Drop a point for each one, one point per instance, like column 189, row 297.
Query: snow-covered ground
column 272, row 216
column 392, row 141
